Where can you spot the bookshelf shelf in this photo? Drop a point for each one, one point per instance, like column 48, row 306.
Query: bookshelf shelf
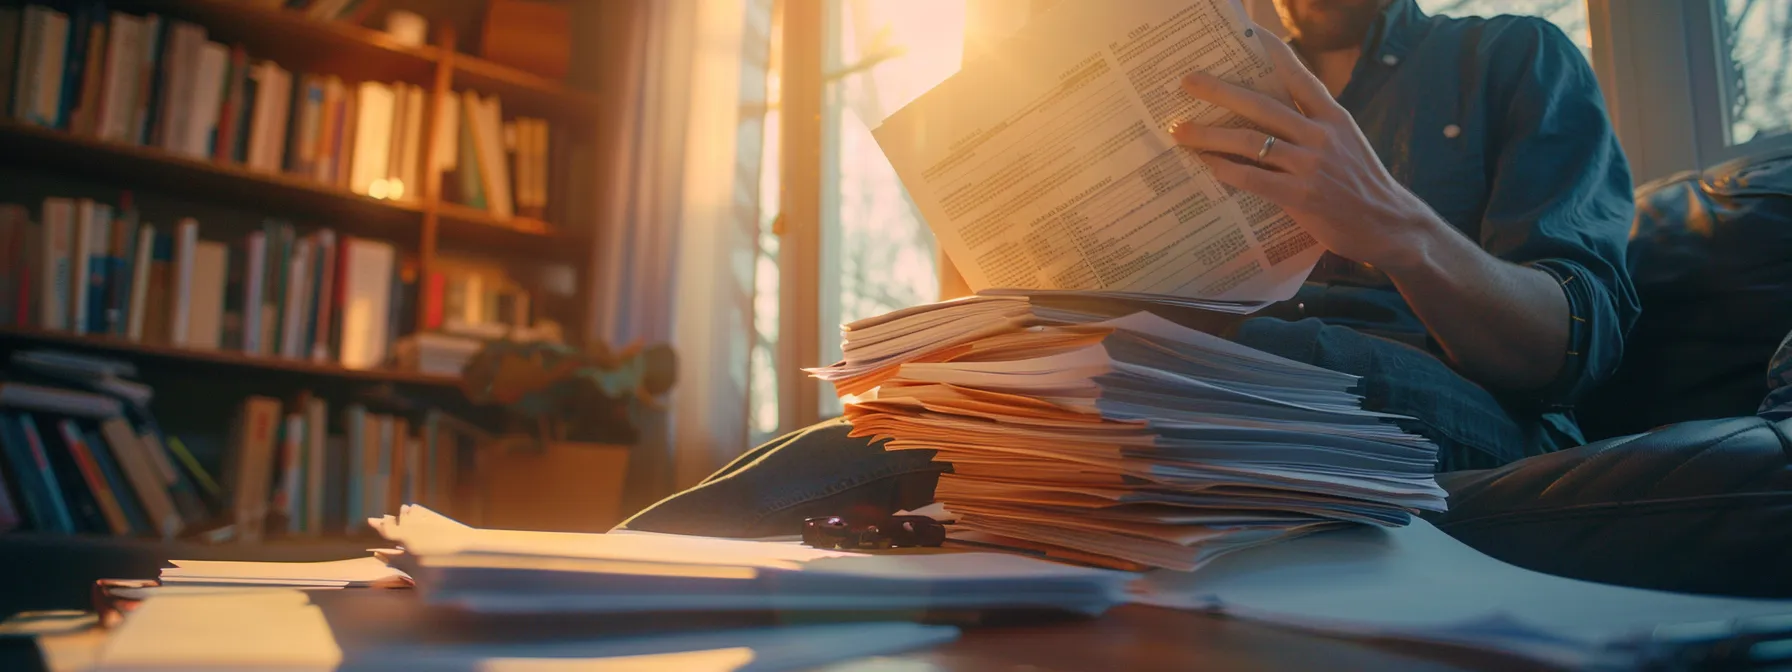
column 523, row 90
column 17, row 336
column 294, row 39
column 154, row 168
column 462, row 225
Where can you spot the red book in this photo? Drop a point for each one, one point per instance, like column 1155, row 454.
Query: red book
column 433, row 296
column 234, row 83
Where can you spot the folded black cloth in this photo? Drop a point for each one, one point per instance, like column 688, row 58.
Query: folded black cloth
column 1702, row 506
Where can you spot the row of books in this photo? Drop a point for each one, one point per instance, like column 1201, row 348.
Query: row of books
column 294, row 474
column 152, row 81
column 92, row 268
column 82, row 454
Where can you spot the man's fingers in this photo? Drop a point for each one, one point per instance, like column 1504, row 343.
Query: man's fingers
column 1244, row 143
column 1279, row 188
column 1305, row 88
column 1265, row 111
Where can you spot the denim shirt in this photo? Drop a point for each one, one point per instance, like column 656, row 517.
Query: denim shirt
column 1497, row 124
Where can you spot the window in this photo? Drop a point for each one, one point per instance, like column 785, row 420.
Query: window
column 1569, row 15
column 877, row 253
column 762, row 360
column 1757, row 68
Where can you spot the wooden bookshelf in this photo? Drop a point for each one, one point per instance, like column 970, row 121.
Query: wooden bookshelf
column 222, row 358
column 420, row 226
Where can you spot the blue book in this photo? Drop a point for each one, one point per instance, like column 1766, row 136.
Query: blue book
column 355, row 432
column 30, row 465
column 81, row 17
column 152, row 107
column 99, row 267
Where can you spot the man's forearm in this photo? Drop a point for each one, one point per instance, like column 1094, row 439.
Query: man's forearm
column 1501, row 324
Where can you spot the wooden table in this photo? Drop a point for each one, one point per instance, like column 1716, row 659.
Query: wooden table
column 1149, row 638
column 1126, row 638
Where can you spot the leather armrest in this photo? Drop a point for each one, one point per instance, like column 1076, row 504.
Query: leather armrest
column 1702, row 506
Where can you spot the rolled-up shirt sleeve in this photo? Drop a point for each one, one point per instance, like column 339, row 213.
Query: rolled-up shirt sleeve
column 1561, row 199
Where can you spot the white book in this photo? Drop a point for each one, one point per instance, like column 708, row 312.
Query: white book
column 298, row 276
column 366, row 300
column 494, row 165
column 120, row 79
column 58, row 263
column 205, row 309
column 208, row 98
column 401, row 100
column 373, row 138
column 410, row 159
column 267, row 130
column 179, row 61
column 180, row 303
column 146, row 242
column 52, row 52
column 81, row 256
column 447, row 137
column 24, row 79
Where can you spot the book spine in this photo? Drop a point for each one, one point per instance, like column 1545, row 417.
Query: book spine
column 153, row 492
column 96, row 481
column 57, row 263
column 31, row 468
column 119, row 272
column 99, row 266
column 115, row 479
column 142, row 259
column 317, row 472
column 150, row 79
column 181, row 292
column 354, row 429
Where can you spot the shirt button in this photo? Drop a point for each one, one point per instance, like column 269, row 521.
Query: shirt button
column 1452, row 131
column 1390, row 59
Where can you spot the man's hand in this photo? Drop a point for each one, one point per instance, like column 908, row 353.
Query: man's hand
column 1321, row 169
column 1502, row 325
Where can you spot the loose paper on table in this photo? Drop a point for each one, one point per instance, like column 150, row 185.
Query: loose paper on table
column 1048, row 164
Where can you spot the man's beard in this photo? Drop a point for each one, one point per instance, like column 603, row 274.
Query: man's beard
column 1328, row 25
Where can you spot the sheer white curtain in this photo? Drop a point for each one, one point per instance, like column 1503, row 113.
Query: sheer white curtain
column 679, row 242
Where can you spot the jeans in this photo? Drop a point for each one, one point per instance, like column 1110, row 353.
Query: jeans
column 820, row 471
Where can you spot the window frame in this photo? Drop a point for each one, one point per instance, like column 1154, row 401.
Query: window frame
column 1705, row 54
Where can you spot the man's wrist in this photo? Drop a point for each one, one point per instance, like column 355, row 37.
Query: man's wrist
column 1426, row 240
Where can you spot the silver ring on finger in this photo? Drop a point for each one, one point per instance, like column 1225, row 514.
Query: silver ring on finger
column 1269, row 142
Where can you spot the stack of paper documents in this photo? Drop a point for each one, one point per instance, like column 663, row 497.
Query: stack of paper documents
column 368, row 572
column 534, row 572
column 1128, row 441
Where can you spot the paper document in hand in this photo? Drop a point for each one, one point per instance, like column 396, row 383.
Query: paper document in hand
column 1048, row 164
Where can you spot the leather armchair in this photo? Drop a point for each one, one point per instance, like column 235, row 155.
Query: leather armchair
column 1703, row 501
